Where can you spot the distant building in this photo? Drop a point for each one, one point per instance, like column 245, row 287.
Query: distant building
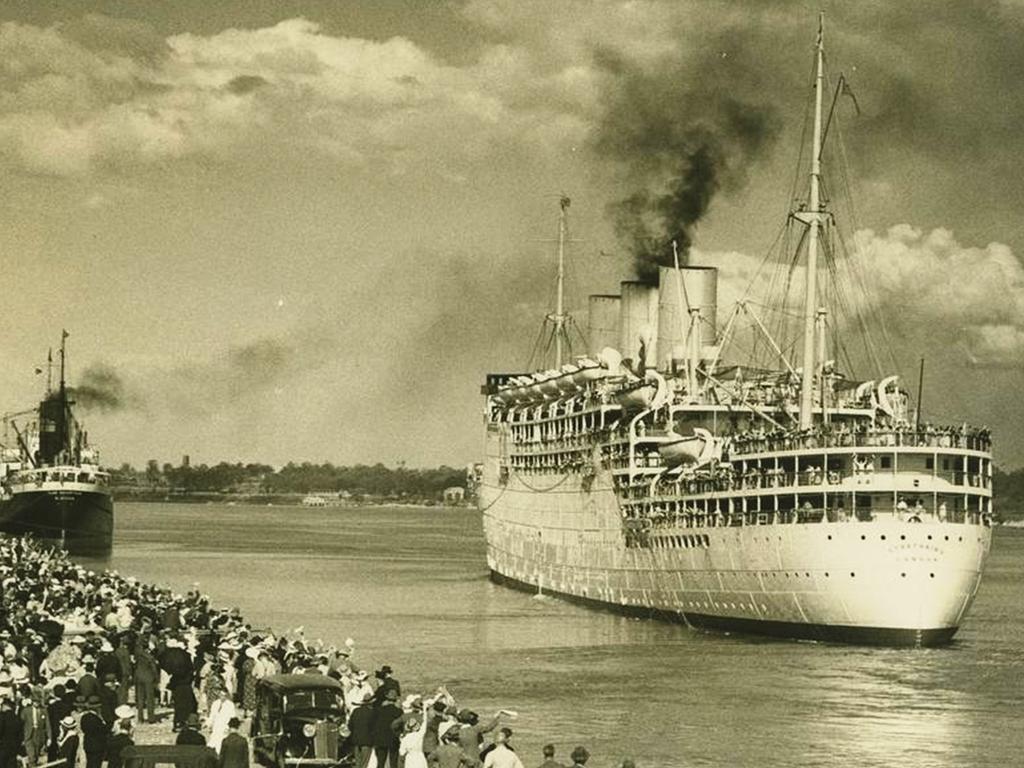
column 454, row 495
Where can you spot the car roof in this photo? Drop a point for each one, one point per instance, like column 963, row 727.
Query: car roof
column 300, row 682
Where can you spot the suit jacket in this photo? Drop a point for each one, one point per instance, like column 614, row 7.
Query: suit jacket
column 190, row 736
column 383, row 717
column 10, row 733
column 115, row 745
column 146, row 668
column 88, row 685
column 234, row 751
column 68, row 749
column 94, row 733
column 35, row 726
column 360, row 724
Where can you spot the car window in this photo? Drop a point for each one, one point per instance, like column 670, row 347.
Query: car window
column 318, row 698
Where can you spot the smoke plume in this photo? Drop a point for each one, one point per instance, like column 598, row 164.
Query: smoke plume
column 678, row 134
column 101, row 389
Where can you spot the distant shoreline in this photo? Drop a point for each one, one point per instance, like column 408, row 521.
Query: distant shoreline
column 291, row 500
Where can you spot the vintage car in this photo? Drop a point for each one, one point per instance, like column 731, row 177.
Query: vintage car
column 299, row 719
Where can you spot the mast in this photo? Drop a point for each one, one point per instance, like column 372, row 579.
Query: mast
column 563, row 204
column 812, row 217
column 63, row 355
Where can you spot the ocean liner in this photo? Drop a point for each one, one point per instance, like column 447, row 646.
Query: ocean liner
column 659, row 477
column 51, row 484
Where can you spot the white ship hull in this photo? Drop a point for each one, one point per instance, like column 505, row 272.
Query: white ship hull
column 885, row 582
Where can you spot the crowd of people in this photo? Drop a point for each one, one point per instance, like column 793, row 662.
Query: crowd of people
column 87, row 658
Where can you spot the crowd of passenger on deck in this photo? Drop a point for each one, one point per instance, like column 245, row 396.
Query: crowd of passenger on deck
column 88, row 656
column 840, row 434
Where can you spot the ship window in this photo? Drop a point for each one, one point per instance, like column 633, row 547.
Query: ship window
column 886, row 462
column 929, row 463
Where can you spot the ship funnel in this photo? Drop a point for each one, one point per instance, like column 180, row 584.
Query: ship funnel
column 638, row 322
column 602, row 323
column 698, row 287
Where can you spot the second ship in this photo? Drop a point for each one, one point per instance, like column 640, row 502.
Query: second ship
column 51, row 485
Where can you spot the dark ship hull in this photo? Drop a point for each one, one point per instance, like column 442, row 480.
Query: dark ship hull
column 80, row 521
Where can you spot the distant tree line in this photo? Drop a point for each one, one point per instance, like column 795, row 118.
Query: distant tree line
column 1008, row 494
column 360, row 480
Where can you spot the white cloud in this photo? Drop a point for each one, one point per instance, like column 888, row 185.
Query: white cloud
column 926, row 287
column 70, row 108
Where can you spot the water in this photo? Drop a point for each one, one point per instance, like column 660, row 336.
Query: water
column 410, row 586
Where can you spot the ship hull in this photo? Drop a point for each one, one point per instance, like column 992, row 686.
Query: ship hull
column 881, row 636
column 79, row 520
column 883, row 583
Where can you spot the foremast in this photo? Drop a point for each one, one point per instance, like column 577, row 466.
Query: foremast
column 813, row 217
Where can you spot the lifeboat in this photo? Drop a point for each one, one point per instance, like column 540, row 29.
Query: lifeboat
column 549, row 384
column 567, row 381
column 637, row 395
column 694, row 449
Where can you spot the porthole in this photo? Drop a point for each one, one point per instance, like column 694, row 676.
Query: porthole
column 946, row 538
column 852, row 575
column 830, row 537
column 903, row 537
column 960, row 538
column 807, row 575
column 903, row 575
column 883, row 537
column 826, row 574
column 862, row 537
column 929, row 537
column 931, row 575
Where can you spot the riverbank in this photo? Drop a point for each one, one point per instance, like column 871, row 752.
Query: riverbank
column 276, row 500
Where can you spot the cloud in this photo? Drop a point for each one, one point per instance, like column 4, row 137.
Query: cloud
column 72, row 106
column 932, row 294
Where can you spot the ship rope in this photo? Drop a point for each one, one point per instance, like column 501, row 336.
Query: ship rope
column 541, row 490
column 495, row 500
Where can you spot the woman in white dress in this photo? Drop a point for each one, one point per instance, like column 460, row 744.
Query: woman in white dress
column 411, row 745
column 222, row 710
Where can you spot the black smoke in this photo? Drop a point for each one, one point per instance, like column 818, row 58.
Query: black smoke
column 679, row 131
column 101, row 389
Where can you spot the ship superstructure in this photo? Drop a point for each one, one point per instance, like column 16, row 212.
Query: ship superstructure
column 655, row 476
column 51, row 484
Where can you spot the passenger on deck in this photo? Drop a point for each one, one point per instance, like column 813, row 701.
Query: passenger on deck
column 902, row 508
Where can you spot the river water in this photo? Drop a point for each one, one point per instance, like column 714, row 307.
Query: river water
column 410, row 586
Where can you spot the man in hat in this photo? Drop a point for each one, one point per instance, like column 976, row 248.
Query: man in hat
column 147, row 675
column 234, row 750
column 121, row 737
column 360, row 725
column 503, row 756
column 549, row 758
column 385, row 740
column 190, row 732
column 57, row 708
column 125, row 668
column 94, row 733
column 67, row 742
column 108, row 698
column 35, row 730
column 387, row 683
column 579, row 757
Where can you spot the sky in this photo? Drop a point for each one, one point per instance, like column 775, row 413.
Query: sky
column 304, row 230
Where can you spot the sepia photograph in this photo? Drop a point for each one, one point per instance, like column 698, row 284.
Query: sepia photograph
column 511, row 384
